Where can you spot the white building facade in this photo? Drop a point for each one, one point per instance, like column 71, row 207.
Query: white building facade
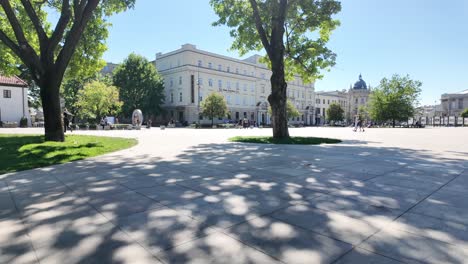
column 190, row 75
column 13, row 99
column 323, row 100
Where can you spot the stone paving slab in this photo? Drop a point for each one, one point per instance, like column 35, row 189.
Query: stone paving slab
column 288, row 243
column 411, row 248
column 189, row 196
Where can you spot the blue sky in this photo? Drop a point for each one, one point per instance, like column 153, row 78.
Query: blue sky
column 427, row 39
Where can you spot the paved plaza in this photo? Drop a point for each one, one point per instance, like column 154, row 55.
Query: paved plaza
column 190, row 196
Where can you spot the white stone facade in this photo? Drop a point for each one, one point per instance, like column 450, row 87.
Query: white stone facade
column 13, row 100
column 191, row 74
column 323, row 100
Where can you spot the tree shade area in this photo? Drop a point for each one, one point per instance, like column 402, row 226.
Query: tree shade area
column 293, row 34
column 23, row 152
column 30, row 43
column 289, row 140
column 140, row 86
column 395, row 99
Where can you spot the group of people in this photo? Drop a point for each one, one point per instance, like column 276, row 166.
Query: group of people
column 245, row 123
column 358, row 124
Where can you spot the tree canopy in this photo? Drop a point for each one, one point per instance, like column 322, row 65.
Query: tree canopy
column 140, row 85
column 293, row 34
column 29, row 42
column 335, row 113
column 214, row 106
column 97, row 99
column 394, row 99
column 464, row 113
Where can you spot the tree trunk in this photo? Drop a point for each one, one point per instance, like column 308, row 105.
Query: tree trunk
column 53, row 122
column 278, row 100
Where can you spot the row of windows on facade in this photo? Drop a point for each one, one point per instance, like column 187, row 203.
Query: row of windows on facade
column 228, row 99
column 6, row 93
column 453, row 104
column 317, row 101
column 228, row 69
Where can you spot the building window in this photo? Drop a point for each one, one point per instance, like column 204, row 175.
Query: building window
column 328, row 101
column 171, row 82
column 317, row 101
column 220, row 67
column 323, row 101
column 210, row 65
column 245, row 87
column 460, row 103
column 220, row 84
column 263, row 89
column 228, row 99
column 237, row 70
column 317, row 111
column 362, row 100
column 200, row 81
column 200, row 63
column 180, row 97
column 263, row 76
column 244, row 101
column 237, row 85
column 228, row 69
column 356, row 100
column 200, row 96
column 228, row 84
column 172, row 97
column 210, row 82
column 252, row 88
column 180, row 80
column 6, row 93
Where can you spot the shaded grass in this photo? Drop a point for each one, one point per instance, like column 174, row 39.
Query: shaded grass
column 290, row 140
column 23, row 152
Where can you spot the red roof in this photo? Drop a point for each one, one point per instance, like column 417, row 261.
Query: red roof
column 12, row 81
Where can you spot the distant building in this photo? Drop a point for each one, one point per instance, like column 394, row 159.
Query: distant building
column 453, row 104
column 358, row 95
column 13, row 99
column 109, row 68
column 191, row 74
column 323, row 100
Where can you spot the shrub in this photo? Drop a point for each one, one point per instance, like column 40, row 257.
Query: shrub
column 24, row 122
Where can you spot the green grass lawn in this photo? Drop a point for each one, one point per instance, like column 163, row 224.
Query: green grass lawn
column 23, row 152
column 290, row 140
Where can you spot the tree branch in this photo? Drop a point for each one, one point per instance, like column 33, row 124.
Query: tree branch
column 259, row 26
column 73, row 37
column 10, row 44
column 36, row 23
column 60, row 27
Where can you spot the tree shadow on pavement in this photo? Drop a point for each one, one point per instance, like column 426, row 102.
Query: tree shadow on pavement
column 238, row 203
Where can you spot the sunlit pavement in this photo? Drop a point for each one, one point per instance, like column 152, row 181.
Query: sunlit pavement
column 190, row 196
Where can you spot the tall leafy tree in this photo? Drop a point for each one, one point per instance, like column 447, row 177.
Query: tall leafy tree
column 292, row 32
column 47, row 51
column 335, row 113
column 141, row 86
column 214, row 106
column 464, row 113
column 97, row 99
column 395, row 99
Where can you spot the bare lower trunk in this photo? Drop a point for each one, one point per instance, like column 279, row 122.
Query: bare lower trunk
column 50, row 96
column 278, row 101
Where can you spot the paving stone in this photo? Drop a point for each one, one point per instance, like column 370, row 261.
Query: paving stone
column 113, row 247
column 328, row 223
column 214, row 248
column 15, row 245
column 359, row 256
column 161, row 229
column 288, row 243
column 439, row 210
column 7, row 206
column 411, row 248
column 435, row 228
column 170, row 194
column 123, row 204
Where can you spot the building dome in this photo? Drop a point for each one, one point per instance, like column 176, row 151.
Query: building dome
column 361, row 84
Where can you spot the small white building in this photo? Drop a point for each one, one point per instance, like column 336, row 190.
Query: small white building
column 13, row 99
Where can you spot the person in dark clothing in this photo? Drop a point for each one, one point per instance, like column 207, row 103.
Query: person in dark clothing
column 66, row 121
